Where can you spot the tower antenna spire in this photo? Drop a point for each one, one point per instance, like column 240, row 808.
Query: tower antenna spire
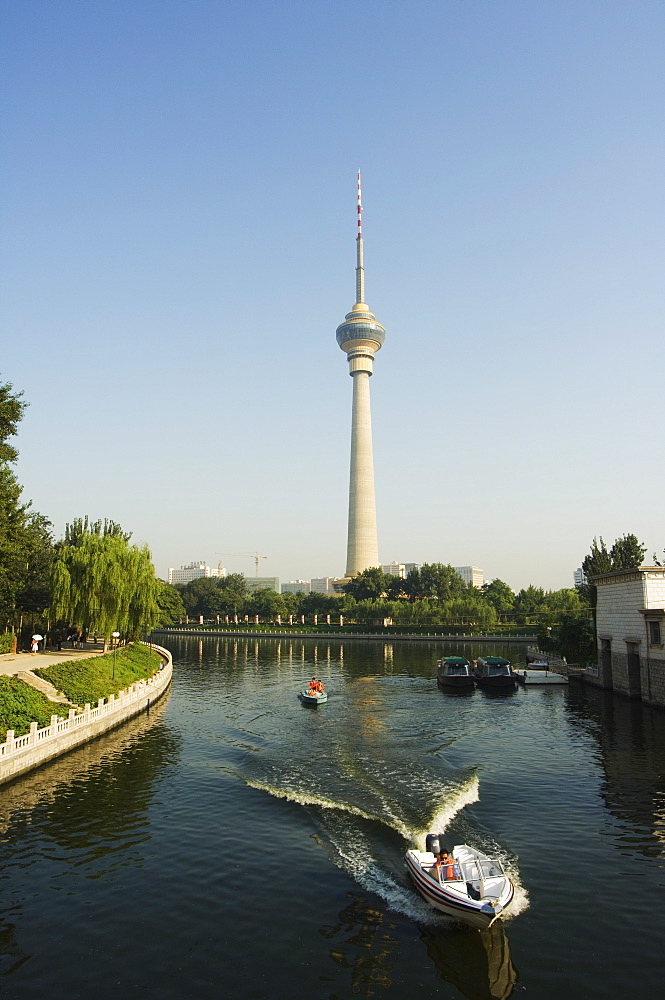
column 360, row 269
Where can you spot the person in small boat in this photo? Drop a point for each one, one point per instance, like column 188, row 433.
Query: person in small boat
column 319, row 687
column 312, row 686
column 447, row 866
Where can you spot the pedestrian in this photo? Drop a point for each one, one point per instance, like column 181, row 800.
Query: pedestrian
column 34, row 646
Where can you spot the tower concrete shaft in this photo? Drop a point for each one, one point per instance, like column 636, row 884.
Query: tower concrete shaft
column 360, row 336
column 362, row 549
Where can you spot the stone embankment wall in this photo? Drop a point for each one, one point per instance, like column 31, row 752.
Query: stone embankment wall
column 23, row 753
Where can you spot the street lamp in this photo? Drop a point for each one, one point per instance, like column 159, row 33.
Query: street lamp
column 116, row 636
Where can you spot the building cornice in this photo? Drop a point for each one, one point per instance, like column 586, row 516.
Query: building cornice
column 636, row 573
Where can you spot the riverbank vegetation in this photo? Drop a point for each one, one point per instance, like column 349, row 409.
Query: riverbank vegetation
column 86, row 681
column 21, row 704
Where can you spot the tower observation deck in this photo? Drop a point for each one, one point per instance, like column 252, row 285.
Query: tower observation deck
column 360, row 336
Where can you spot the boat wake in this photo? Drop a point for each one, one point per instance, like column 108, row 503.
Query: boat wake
column 447, row 809
column 307, row 799
column 348, row 834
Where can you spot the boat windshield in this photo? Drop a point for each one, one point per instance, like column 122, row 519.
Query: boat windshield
column 491, row 869
column 498, row 669
column 456, row 669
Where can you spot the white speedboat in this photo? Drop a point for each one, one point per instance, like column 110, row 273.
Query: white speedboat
column 474, row 890
column 309, row 697
column 539, row 676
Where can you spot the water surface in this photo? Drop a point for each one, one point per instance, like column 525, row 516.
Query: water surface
column 237, row 842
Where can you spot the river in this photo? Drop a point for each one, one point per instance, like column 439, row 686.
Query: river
column 237, row 843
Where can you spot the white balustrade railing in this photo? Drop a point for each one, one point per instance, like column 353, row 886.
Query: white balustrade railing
column 114, row 703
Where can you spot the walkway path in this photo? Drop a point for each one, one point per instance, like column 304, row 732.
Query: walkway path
column 15, row 663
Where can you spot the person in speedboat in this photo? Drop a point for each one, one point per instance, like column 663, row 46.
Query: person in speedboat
column 446, row 868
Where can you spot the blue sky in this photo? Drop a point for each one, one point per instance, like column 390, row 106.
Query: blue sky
column 178, row 211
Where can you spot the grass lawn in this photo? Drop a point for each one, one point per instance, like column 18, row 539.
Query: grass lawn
column 89, row 680
column 21, row 704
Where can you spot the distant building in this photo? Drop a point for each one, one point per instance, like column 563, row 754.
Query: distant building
column 194, row 571
column 630, row 626
column 409, row 566
column 394, row 569
column 296, row 587
column 322, row 585
column 262, row 583
column 470, row 575
column 579, row 577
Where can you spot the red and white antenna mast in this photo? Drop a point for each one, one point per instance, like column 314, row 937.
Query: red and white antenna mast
column 360, row 269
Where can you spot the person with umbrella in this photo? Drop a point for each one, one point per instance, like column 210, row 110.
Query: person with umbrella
column 34, row 645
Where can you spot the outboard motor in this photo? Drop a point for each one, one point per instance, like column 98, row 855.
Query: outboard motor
column 432, row 843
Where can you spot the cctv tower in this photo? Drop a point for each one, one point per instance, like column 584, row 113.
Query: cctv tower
column 360, row 337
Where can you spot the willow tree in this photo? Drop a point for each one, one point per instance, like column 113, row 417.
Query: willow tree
column 101, row 583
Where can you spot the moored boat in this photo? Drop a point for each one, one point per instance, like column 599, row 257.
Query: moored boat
column 494, row 672
column 474, row 889
column 536, row 675
column 454, row 672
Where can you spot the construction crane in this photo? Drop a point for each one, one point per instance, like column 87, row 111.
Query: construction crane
column 250, row 555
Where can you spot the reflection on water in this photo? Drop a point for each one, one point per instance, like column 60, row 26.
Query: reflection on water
column 478, row 963
column 363, row 941
column 81, row 816
column 107, row 761
column 12, row 956
column 631, row 752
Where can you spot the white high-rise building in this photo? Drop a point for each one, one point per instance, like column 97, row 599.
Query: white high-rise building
column 579, row 577
column 394, row 569
column 470, row 574
column 360, row 337
column 323, row 585
column 194, row 571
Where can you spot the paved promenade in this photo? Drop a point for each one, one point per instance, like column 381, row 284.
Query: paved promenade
column 14, row 663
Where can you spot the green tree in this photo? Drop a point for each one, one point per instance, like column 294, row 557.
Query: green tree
column 11, row 412
column 266, row 603
column 529, row 604
column 627, row 552
column 102, row 583
column 82, row 526
column 369, row 584
column 34, row 596
column 234, row 592
column 322, row 604
column 440, row 581
column 499, row 595
column 396, row 587
column 572, row 637
column 204, row 596
column 169, row 602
